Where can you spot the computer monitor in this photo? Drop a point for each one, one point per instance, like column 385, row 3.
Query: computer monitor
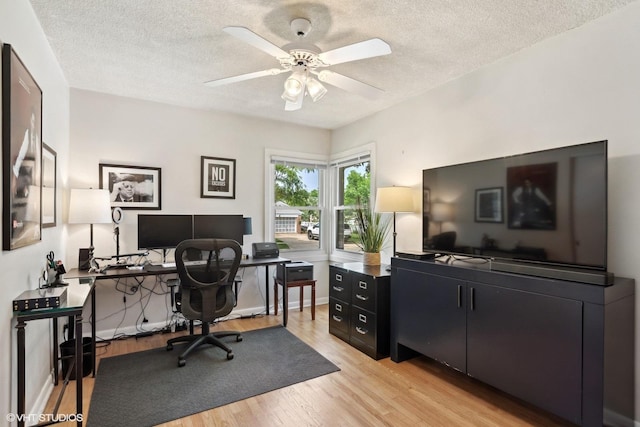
column 163, row 231
column 218, row 227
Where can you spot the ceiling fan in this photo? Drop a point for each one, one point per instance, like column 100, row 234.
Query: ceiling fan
column 305, row 62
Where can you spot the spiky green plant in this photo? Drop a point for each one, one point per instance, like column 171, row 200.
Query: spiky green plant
column 372, row 229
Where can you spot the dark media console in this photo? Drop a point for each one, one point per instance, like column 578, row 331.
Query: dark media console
column 601, row 278
column 562, row 345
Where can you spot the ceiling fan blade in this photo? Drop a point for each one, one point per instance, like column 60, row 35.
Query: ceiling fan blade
column 349, row 84
column 353, row 52
column 256, row 41
column 292, row 106
column 241, row 77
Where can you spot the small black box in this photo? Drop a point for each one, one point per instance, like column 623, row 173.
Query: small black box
column 265, row 250
column 296, row 270
column 40, row 298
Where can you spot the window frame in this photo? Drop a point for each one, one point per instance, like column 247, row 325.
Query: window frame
column 273, row 157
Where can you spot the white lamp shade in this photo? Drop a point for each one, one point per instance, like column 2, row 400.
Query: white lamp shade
column 89, row 206
column 394, row 199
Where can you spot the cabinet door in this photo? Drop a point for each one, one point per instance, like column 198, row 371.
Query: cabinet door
column 527, row 344
column 430, row 315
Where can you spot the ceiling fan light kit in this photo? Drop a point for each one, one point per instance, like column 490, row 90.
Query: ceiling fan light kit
column 303, row 60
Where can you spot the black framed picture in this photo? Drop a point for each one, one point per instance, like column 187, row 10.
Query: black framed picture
column 132, row 187
column 217, row 178
column 531, row 204
column 489, row 205
column 21, row 153
column 49, row 191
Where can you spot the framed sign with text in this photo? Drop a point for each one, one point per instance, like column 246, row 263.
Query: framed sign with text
column 217, row 178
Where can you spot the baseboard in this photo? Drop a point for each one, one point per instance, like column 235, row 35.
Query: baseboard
column 133, row 330
column 43, row 396
column 615, row 419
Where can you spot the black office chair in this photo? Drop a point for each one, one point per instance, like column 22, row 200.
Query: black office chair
column 206, row 288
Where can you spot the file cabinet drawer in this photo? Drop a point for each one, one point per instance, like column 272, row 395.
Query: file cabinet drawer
column 363, row 291
column 363, row 327
column 340, row 284
column 339, row 318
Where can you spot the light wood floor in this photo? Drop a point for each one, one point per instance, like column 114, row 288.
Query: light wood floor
column 365, row 392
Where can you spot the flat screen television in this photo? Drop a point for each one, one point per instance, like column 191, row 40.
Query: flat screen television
column 219, row 227
column 546, row 208
column 163, row 231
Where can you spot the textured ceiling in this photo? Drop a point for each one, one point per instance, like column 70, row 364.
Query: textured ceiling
column 164, row 50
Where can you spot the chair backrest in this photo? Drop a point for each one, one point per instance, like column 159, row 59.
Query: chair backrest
column 207, row 268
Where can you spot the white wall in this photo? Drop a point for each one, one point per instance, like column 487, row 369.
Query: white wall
column 116, row 130
column 21, row 268
column 581, row 86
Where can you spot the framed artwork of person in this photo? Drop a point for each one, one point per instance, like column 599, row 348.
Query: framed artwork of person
column 132, row 187
column 21, row 153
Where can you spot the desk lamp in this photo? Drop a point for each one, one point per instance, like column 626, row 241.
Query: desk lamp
column 394, row 199
column 89, row 206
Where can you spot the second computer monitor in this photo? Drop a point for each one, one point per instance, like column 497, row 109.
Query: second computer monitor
column 218, row 227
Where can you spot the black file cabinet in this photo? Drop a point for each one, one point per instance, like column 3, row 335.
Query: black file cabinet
column 359, row 306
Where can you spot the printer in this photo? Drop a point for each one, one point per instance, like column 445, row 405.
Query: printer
column 265, row 250
column 295, row 271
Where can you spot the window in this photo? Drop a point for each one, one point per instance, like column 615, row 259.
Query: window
column 352, row 176
column 296, row 202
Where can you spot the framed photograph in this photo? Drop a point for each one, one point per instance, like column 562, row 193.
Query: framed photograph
column 531, row 202
column 489, row 205
column 217, row 178
column 48, row 186
column 132, row 187
column 21, row 153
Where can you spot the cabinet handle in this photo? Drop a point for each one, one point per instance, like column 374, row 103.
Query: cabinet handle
column 338, row 288
column 361, row 331
column 459, row 296
column 473, row 299
column 337, row 318
column 362, row 285
column 361, row 297
column 338, row 277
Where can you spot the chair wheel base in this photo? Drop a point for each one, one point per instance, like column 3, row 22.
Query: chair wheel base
column 239, row 338
column 169, row 347
column 181, row 363
column 230, row 355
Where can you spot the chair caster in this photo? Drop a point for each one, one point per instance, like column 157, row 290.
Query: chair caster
column 230, row 355
column 182, row 362
column 169, row 347
column 239, row 338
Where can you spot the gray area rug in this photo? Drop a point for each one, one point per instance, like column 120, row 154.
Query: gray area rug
column 148, row 388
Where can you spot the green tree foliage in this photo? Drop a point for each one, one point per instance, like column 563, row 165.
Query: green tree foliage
column 357, row 187
column 290, row 188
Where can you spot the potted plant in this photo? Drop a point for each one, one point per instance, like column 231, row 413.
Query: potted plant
column 372, row 230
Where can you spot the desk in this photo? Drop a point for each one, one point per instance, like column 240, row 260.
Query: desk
column 78, row 291
column 156, row 270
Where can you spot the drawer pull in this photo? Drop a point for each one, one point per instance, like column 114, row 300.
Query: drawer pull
column 361, row 331
column 338, row 277
column 338, row 307
column 362, row 318
column 363, row 285
column 362, row 297
column 338, row 288
column 337, row 318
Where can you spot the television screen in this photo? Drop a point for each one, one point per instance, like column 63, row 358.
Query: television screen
column 219, row 227
column 546, row 207
column 163, row 231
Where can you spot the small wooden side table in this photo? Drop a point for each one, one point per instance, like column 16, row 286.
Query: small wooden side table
column 295, row 284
